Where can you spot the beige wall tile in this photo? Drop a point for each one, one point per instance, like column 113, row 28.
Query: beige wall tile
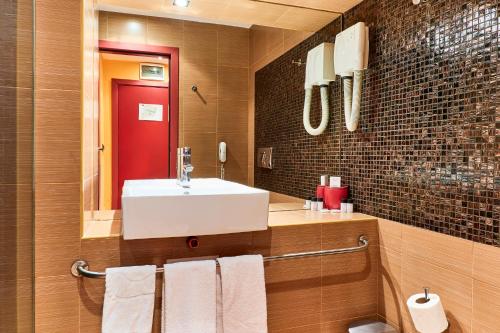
column 165, row 32
column 233, row 83
column 200, row 114
column 222, row 245
column 57, row 160
column 486, row 307
column 58, row 62
column 233, row 48
column 346, row 278
column 442, row 250
column 205, row 172
column 20, row 151
column 57, row 107
column 337, row 235
column 389, row 286
column 390, row 235
column 57, row 204
column 297, row 285
column 16, row 235
column 16, row 305
column 480, row 328
column 57, row 230
column 103, row 25
column 486, row 264
column 61, row 26
column 16, row 105
column 59, row 310
column 200, row 43
column 349, row 276
column 126, row 28
column 232, row 117
column 301, row 329
column 91, row 294
column 281, row 240
column 204, row 148
column 58, row 45
column 203, row 76
column 454, row 289
column 258, row 46
column 57, row 244
column 16, row 46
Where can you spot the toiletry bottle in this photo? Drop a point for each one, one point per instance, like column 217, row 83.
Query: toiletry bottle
column 314, row 203
column 335, row 181
column 320, row 204
column 320, row 190
column 350, row 206
column 307, row 205
column 343, row 206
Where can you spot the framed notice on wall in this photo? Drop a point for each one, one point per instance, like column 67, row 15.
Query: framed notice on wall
column 154, row 72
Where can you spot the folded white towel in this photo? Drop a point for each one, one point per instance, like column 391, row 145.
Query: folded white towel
column 129, row 299
column 244, row 307
column 189, row 297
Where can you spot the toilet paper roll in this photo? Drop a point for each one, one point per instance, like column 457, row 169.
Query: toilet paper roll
column 428, row 316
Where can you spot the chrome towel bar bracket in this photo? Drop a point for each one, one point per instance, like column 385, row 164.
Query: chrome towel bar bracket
column 80, row 268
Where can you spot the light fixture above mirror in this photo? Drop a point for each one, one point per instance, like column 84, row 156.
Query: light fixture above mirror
column 181, row 3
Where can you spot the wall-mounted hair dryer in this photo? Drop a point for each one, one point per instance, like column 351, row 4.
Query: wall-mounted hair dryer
column 348, row 57
column 351, row 59
column 319, row 72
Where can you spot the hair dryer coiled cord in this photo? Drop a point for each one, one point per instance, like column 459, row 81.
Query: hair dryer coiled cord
column 352, row 100
column 324, row 111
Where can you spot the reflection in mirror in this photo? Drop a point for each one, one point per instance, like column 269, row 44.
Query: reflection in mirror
column 141, row 104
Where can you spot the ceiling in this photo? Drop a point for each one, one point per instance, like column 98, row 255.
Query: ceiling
column 286, row 14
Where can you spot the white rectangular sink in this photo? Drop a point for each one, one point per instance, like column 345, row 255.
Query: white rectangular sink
column 155, row 208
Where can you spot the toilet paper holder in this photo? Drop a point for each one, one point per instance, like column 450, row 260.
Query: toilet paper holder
column 426, row 292
column 426, row 298
column 427, row 312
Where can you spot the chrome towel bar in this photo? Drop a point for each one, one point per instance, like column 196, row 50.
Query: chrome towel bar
column 80, row 268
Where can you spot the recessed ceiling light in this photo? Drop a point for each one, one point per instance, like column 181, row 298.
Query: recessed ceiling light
column 181, row 3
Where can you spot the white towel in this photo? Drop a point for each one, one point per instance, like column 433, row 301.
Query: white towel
column 129, row 299
column 244, row 307
column 189, row 297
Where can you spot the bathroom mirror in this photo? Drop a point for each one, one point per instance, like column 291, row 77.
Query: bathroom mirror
column 158, row 77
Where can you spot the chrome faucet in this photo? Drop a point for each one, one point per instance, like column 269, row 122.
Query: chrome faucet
column 184, row 167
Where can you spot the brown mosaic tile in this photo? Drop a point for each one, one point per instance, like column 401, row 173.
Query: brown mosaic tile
column 427, row 149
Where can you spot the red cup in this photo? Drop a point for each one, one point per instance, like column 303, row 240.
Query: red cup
column 320, row 191
column 334, row 195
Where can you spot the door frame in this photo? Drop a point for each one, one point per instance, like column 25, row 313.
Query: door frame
column 172, row 53
column 115, row 85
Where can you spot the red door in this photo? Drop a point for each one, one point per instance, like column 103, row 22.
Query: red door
column 140, row 133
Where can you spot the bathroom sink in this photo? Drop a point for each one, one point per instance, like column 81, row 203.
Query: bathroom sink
column 155, row 208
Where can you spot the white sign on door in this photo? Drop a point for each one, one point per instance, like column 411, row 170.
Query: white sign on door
column 151, row 112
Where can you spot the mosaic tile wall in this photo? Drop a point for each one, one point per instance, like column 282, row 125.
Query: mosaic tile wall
column 427, row 151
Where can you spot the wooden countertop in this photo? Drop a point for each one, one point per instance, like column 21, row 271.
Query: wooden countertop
column 108, row 224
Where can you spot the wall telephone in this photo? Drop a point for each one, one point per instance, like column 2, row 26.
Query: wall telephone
column 222, row 157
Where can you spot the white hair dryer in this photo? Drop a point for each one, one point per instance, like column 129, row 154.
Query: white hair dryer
column 351, row 59
column 319, row 72
column 348, row 57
